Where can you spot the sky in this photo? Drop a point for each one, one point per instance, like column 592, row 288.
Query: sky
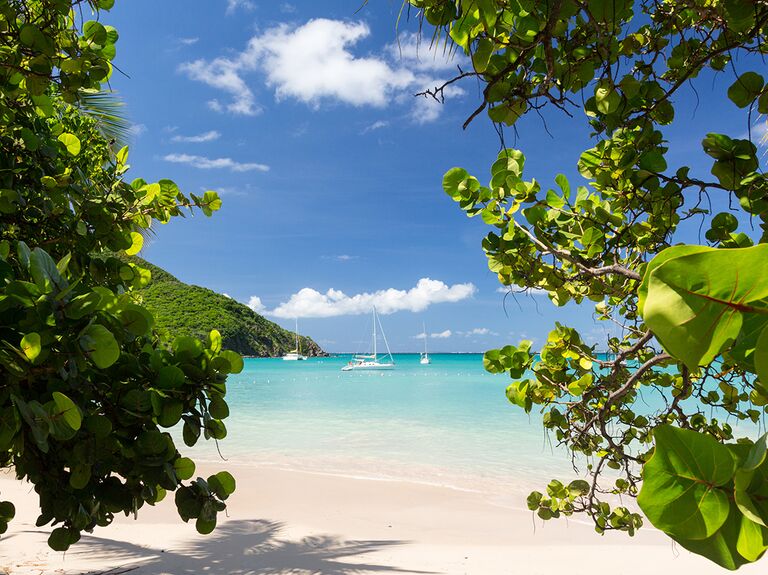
column 303, row 116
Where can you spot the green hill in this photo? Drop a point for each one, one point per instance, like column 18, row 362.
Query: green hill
column 183, row 309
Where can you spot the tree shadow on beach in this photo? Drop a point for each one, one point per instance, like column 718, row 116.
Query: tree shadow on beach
column 242, row 548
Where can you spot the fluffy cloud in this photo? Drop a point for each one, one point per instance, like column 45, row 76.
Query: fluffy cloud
column 317, row 63
column 442, row 335
column 312, row 303
column 255, row 304
column 224, row 74
column 199, row 138
column 204, row 163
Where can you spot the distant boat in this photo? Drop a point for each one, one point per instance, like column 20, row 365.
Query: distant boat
column 424, row 355
column 295, row 354
column 371, row 362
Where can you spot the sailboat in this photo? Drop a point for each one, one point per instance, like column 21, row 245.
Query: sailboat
column 424, row 355
column 295, row 354
column 371, row 362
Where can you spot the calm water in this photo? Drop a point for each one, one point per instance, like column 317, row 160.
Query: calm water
column 447, row 423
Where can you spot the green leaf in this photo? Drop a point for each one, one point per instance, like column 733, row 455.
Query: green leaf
column 71, row 143
column 95, row 32
column 235, row 361
column 68, row 410
column 222, row 484
column 695, row 302
column 663, row 257
column 170, row 377
column 184, row 468
column 607, row 98
column 210, row 203
column 761, row 358
column 100, row 345
column 756, row 454
column 30, row 345
column 214, row 341
column 745, row 89
column 137, row 242
column 205, row 526
column 721, row 547
column 62, row 537
column 682, row 492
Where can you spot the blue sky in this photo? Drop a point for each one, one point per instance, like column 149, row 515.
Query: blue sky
column 302, row 116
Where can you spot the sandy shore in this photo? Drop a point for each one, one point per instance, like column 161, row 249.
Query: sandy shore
column 290, row 522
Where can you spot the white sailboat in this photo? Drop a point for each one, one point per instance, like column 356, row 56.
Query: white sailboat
column 424, row 360
column 371, row 362
column 295, row 354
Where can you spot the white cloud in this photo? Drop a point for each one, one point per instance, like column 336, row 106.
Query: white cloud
column 199, row 138
column 479, row 331
column 308, row 302
column 341, row 258
column 314, row 62
column 319, row 62
column 442, row 335
column 256, row 305
column 421, row 335
column 204, row 163
column 378, row 125
column 227, row 295
column 188, row 41
column 287, row 8
column 233, row 5
column 224, row 74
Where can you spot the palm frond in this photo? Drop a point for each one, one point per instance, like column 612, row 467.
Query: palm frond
column 109, row 111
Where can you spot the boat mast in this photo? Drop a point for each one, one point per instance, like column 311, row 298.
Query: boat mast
column 424, row 331
column 384, row 337
column 297, row 334
column 374, row 333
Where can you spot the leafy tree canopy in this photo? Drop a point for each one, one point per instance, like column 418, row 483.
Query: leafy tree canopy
column 87, row 388
column 694, row 318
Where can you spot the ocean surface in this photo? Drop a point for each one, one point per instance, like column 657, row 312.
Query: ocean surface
column 448, row 423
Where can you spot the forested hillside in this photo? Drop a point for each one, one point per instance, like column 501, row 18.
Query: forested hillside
column 184, row 309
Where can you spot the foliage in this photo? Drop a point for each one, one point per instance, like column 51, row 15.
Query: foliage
column 88, row 387
column 611, row 243
column 183, row 309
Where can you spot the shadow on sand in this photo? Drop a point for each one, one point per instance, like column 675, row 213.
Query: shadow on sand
column 242, row 548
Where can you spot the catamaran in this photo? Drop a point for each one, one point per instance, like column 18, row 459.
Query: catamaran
column 424, row 355
column 295, row 354
column 371, row 362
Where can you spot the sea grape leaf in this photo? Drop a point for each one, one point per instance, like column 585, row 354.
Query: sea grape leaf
column 67, row 409
column 100, row 345
column 30, row 345
column 682, row 491
column 661, row 258
column 761, row 358
column 695, row 302
column 721, row 547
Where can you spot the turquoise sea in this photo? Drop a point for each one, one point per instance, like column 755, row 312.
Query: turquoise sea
column 447, row 423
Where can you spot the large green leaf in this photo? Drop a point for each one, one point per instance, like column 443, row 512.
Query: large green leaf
column 682, row 492
column 661, row 258
column 695, row 302
column 100, row 345
column 721, row 547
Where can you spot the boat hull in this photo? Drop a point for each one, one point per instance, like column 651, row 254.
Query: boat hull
column 368, row 366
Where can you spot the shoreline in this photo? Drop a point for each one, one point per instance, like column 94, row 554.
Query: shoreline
column 297, row 522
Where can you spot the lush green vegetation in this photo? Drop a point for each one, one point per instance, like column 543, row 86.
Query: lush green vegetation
column 699, row 311
column 182, row 309
column 87, row 387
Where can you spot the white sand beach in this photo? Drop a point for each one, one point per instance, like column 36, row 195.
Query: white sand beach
column 291, row 522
